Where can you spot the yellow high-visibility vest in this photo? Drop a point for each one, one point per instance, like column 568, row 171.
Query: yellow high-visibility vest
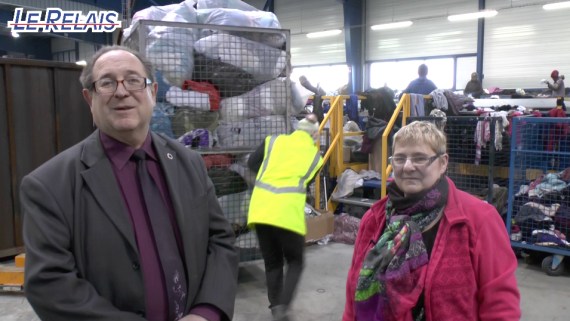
column 278, row 199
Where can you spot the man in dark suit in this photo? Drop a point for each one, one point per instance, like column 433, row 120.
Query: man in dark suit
column 96, row 247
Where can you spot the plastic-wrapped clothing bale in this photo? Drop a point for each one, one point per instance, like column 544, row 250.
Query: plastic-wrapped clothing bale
column 250, row 132
column 261, row 61
column 236, row 215
column 270, row 98
column 185, row 120
column 247, row 174
column 228, row 79
column 298, row 99
column 231, row 4
column 171, row 49
column 160, row 121
column 155, row 13
column 236, row 17
column 163, row 87
column 188, row 98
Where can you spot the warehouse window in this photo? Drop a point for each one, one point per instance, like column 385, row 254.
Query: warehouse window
column 465, row 66
column 442, row 71
column 329, row 77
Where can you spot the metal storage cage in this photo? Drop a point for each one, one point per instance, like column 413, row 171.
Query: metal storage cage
column 538, row 217
column 478, row 149
column 222, row 90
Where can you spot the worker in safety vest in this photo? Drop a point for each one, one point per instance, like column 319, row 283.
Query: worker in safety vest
column 285, row 165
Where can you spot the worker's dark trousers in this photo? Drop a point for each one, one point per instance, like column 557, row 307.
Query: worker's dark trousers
column 277, row 245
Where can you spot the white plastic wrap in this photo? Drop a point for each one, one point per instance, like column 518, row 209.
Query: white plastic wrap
column 188, row 98
column 151, row 13
column 298, row 98
column 231, row 4
column 170, row 49
column 236, row 214
column 270, row 98
column 261, row 61
column 250, row 132
column 235, row 17
column 240, row 167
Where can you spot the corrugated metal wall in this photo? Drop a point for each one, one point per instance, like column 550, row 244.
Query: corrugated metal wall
column 524, row 44
column 430, row 35
column 302, row 17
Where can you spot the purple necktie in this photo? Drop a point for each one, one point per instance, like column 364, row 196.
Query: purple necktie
column 170, row 257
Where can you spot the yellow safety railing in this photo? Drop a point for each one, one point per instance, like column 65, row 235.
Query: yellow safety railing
column 336, row 139
column 334, row 153
column 386, row 169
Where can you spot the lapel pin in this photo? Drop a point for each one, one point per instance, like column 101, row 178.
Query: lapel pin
column 169, row 156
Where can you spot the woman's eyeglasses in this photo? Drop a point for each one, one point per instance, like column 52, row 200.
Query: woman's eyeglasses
column 418, row 161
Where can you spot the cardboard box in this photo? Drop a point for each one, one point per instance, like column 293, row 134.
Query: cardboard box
column 319, row 226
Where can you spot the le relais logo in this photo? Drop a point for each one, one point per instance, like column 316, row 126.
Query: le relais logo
column 57, row 20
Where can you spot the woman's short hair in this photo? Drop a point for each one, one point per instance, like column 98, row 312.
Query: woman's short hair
column 421, row 132
column 86, row 77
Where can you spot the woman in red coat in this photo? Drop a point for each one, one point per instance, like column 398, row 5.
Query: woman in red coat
column 429, row 251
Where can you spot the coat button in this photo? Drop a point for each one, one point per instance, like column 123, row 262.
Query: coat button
column 136, row 266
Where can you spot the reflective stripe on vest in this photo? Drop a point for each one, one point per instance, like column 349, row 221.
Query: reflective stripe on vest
column 291, row 189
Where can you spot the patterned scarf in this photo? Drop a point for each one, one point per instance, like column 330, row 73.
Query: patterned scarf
column 392, row 275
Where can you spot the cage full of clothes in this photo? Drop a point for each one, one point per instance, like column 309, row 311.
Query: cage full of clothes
column 221, row 90
column 478, row 149
column 538, row 217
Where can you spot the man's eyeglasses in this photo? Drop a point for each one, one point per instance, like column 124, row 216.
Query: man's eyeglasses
column 109, row 85
column 418, row 161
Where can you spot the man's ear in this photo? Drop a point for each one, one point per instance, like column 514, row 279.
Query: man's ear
column 154, row 90
column 87, row 96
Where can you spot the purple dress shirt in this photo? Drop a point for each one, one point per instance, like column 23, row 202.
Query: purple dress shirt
column 124, row 169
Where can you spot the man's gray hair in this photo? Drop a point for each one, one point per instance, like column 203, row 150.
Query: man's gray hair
column 86, row 77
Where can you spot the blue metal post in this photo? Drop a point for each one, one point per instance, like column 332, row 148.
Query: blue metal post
column 354, row 42
column 480, row 42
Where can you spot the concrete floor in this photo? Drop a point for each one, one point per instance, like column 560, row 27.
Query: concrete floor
column 320, row 296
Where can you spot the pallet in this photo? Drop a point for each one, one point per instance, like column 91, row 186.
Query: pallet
column 12, row 276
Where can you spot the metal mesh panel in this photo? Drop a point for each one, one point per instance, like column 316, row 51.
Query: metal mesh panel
column 478, row 149
column 222, row 90
column 539, row 213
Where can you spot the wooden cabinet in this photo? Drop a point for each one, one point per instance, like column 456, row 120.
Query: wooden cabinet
column 42, row 112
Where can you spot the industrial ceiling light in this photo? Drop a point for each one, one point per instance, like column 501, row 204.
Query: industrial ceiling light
column 321, row 34
column 81, row 63
column 556, row 5
column 393, row 25
column 472, row 15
